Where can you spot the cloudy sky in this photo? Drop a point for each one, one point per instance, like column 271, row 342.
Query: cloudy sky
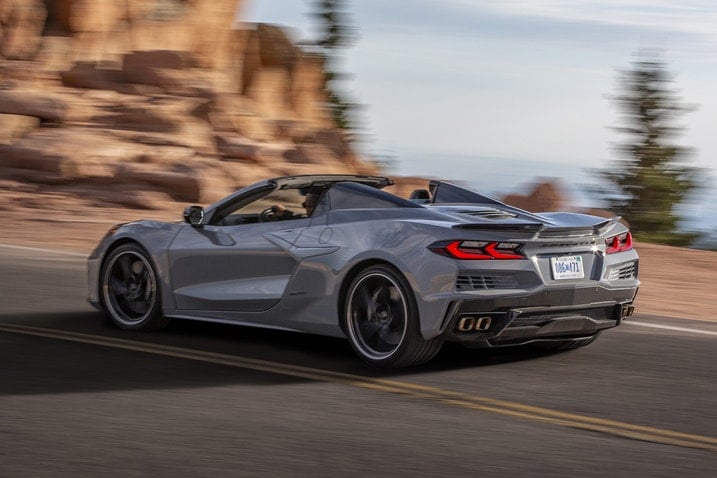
column 526, row 80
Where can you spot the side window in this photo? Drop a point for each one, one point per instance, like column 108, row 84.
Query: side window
column 289, row 199
column 276, row 206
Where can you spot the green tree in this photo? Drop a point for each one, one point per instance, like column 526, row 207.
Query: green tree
column 335, row 33
column 650, row 179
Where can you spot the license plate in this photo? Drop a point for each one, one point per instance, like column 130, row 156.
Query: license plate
column 567, row 267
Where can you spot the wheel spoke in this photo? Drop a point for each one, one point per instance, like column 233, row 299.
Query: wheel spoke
column 365, row 302
column 125, row 267
column 118, row 287
column 137, row 306
column 389, row 336
column 368, row 329
column 375, row 296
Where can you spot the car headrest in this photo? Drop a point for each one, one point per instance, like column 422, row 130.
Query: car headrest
column 420, row 194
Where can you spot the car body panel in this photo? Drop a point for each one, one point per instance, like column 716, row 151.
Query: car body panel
column 229, row 268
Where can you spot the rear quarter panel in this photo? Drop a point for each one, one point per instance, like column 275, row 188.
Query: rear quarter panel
column 357, row 238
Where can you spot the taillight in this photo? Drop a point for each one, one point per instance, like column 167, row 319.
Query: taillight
column 620, row 243
column 478, row 250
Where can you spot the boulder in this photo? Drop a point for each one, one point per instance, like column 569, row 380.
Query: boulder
column 89, row 75
column 335, row 140
column 138, row 119
column 32, row 177
column 312, row 154
column 166, row 155
column 16, row 126
column 269, row 59
column 289, row 130
column 212, row 33
column 404, row 185
column 29, row 157
column 127, row 196
column 21, row 25
column 32, row 103
column 67, row 153
column 271, row 93
column 102, row 29
column 308, row 92
column 255, row 127
column 169, row 59
column 275, row 48
column 161, row 68
column 180, row 185
column 235, row 147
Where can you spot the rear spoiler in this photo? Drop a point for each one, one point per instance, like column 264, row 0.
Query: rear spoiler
column 545, row 231
column 525, row 227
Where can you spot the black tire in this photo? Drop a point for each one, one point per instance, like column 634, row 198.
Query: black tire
column 129, row 289
column 381, row 320
column 567, row 344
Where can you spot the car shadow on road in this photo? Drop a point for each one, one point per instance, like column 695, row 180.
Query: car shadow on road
column 42, row 365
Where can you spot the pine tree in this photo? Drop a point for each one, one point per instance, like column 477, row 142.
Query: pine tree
column 336, row 32
column 650, row 180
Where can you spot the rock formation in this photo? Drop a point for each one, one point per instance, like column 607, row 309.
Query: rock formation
column 544, row 196
column 547, row 195
column 144, row 102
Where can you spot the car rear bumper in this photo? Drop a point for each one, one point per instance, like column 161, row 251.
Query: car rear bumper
column 573, row 313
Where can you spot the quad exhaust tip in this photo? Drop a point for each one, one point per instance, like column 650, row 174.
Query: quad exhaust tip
column 470, row 323
column 627, row 310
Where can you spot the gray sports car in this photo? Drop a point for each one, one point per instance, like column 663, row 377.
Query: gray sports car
column 337, row 255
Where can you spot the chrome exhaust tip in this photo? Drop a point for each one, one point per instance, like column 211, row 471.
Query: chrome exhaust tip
column 470, row 323
column 626, row 311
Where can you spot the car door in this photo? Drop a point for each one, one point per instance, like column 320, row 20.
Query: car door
column 240, row 263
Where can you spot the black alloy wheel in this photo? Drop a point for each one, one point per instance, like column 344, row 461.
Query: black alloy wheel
column 381, row 320
column 130, row 290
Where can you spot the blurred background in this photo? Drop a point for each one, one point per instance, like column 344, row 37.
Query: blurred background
column 501, row 94
column 110, row 107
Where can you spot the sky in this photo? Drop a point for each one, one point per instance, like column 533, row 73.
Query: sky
column 447, row 82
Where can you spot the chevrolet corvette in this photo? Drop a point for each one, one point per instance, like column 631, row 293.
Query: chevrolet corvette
column 337, row 255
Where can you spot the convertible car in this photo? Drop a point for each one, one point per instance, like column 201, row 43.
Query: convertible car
column 336, row 255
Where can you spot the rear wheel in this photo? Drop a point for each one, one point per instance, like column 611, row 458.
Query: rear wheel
column 130, row 290
column 567, row 344
column 381, row 320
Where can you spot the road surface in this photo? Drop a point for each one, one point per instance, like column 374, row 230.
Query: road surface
column 78, row 397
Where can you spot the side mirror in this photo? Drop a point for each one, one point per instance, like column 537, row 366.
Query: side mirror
column 194, row 215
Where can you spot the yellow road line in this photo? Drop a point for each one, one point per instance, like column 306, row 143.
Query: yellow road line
column 450, row 397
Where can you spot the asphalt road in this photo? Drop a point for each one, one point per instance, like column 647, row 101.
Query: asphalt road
column 79, row 397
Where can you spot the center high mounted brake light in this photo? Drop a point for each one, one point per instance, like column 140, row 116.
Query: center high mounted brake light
column 478, row 250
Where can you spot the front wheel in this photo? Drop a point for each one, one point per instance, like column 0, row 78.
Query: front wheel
column 130, row 290
column 381, row 320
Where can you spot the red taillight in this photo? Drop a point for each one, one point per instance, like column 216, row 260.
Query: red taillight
column 478, row 250
column 620, row 243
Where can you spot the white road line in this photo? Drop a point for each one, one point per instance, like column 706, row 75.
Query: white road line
column 669, row 327
column 39, row 249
